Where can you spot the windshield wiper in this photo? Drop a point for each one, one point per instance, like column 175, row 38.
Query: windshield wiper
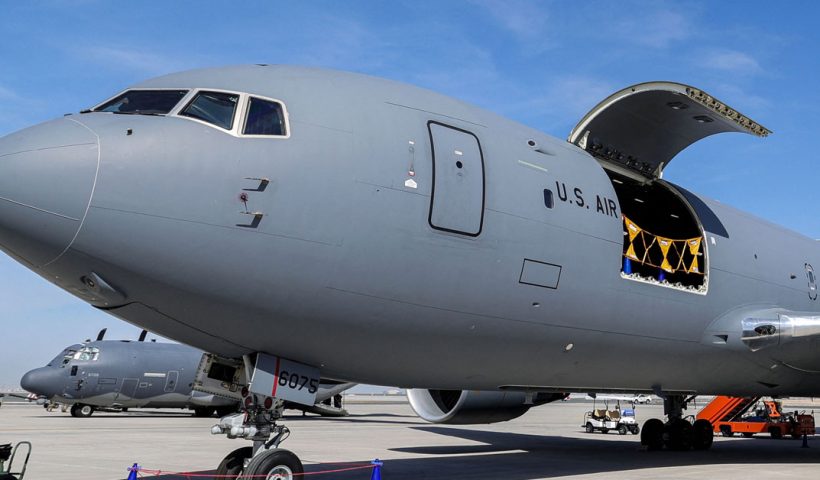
column 141, row 112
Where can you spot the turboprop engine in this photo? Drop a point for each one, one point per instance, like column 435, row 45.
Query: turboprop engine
column 465, row 407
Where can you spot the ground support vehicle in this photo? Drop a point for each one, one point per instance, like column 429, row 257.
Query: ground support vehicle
column 734, row 415
column 604, row 420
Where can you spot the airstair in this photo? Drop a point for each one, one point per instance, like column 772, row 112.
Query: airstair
column 726, row 409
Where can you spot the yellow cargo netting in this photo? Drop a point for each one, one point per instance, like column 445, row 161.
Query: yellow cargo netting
column 672, row 255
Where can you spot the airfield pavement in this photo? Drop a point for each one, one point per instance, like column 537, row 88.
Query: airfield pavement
column 547, row 442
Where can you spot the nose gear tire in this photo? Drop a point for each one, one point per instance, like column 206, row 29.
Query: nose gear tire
column 274, row 463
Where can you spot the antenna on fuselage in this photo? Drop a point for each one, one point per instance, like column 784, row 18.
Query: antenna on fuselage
column 142, row 336
column 101, row 334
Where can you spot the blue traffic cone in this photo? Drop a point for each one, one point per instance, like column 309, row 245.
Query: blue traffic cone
column 133, row 469
column 377, row 470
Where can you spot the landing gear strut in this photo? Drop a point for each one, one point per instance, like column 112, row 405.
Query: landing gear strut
column 678, row 433
column 257, row 422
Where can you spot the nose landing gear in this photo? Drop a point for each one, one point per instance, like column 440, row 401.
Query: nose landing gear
column 257, row 422
column 678, row 433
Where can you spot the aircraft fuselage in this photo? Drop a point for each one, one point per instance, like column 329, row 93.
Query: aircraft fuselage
column 394, row 236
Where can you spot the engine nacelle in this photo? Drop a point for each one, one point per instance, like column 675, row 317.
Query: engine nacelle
column 465, row 407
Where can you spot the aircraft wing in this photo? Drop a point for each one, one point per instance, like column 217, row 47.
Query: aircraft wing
column 24, row 395
column 324, row 406
column 327, row 390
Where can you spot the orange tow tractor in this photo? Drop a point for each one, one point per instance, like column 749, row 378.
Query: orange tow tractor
column 731, row 415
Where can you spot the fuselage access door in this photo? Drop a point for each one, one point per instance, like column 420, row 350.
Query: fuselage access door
column 457, row 200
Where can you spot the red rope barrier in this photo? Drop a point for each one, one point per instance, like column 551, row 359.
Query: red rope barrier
column 155, row 473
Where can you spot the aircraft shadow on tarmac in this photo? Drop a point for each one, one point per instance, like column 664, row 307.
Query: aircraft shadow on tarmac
column 514, row 456
column 378, row 419
column 538, row 456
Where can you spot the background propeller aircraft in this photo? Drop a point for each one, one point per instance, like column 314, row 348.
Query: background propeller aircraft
column 115, row 375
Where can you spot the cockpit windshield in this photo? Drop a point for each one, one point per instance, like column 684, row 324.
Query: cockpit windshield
column 143, row 102
column 63, row 358
column 213, row 107
column 239, row 114
column 67, row 357
column 87, row 354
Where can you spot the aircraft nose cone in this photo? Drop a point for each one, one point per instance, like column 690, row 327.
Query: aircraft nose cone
column 39, row 381
column 47, row 175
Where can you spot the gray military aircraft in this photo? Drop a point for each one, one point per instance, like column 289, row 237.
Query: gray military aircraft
column 116, row 375
column 302, row 222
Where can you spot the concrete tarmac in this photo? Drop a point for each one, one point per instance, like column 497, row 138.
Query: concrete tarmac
column 547, row 442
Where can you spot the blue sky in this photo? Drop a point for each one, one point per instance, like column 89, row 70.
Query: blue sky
column 543, row 64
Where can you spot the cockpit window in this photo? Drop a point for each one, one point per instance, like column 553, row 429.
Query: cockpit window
column 63, row 358
column 143, row 102
column 264, row 117
column 87, row 354
column 213, row 107
column 67, row 357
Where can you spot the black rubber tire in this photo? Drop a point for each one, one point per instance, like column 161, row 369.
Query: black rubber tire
column 634, row 429
column 272, row 461
column 203, row 412
column 703, row 434
column 81, row 411
column 776, row 433
column 652, row 434
column 621, row 429
column 679, row 435
column 234, row 462
column 589, row 428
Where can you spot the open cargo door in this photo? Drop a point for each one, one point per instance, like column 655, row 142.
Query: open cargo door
column 641, row 128
column 634, row 134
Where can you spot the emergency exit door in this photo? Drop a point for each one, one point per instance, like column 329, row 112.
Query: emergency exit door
column 171, row 380
column 457, row 199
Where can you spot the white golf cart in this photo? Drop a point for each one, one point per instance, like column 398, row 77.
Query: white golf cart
column 604, row 420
